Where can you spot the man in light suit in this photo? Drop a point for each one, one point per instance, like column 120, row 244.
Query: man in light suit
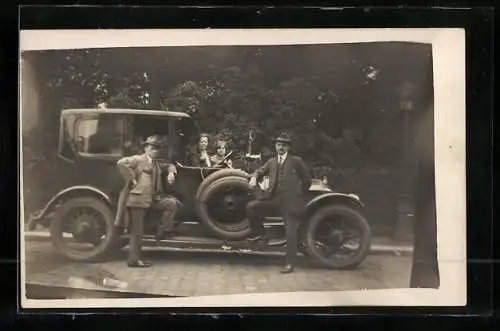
column 289, row 180
column 145, row 175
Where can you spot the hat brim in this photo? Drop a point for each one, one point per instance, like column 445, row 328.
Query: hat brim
column 145, row 143
column 281, row 140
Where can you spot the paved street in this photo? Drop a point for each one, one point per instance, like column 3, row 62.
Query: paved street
column 188, row 274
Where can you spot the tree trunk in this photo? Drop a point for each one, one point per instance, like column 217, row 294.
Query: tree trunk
column 425, row 270
column 30, row 97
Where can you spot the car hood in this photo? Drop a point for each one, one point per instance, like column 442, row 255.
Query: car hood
column 318, row 185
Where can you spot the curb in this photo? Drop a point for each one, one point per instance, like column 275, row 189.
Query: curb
column 394, row 250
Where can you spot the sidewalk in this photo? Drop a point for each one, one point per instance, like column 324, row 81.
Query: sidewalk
column 380, row 245
column 182, row 273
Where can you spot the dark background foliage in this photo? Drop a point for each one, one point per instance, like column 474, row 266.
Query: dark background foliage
column 341, row 103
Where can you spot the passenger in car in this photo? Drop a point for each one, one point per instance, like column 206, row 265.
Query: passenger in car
column 200, row 158
column 220, row 153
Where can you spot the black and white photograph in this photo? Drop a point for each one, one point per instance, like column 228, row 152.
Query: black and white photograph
column 169, row 168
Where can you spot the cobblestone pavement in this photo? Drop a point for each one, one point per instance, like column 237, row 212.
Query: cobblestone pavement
column 190, row 274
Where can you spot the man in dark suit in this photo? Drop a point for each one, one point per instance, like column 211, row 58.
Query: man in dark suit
column 145, row 177
column 289, row 180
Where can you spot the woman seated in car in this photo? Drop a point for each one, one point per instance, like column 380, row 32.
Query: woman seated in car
column 200, row 157
column 217, row 159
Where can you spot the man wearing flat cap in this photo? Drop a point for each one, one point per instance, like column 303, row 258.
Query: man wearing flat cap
column 145, row 176
column 289, row 180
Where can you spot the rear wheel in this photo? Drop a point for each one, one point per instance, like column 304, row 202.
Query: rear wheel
column 83, row 229
column 222, row 207
column 338, row 237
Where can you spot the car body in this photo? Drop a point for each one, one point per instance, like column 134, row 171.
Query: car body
column 91, row 141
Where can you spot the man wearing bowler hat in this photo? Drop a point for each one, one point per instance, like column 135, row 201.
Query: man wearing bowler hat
column 145, row 176
column 289, row 180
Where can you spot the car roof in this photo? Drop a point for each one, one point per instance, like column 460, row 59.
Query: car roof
column 125, row 111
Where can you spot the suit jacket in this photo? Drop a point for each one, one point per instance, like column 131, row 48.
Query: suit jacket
column 296, row 180
column 139, row 167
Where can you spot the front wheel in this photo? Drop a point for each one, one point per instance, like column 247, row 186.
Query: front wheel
column 83, row 229
column 338, row 237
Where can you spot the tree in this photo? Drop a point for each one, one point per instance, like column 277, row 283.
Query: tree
column 341, row 99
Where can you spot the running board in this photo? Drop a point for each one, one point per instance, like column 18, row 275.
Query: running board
column 269, row 222
column 212, row 243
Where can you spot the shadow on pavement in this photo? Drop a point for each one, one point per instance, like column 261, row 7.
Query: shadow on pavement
column 210, row 258
column 45, row 292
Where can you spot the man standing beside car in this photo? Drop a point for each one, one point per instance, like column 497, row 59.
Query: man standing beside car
column 145, row 175
column 289, row 180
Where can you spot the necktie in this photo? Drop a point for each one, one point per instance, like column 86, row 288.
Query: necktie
column 280, row 170
column 156, row 177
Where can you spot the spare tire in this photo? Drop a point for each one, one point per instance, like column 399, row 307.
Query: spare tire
column 224, row 172
column 222, row 207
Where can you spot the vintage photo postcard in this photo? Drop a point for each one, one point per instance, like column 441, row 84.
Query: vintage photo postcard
column 242, row 168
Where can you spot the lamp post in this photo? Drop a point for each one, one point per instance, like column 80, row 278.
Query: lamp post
column 404, row 223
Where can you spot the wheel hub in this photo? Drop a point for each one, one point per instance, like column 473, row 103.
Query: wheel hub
column 84, row 229
column 229, row 202
column 81, row 225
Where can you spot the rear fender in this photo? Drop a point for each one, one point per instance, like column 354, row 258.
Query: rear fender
column 81, row 190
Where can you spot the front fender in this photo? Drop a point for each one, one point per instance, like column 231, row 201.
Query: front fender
column 66, row 193
column 328, row 198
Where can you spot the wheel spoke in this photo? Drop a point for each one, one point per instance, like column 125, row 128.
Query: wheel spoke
column 329, row 251
column 227, row 208
column 87, row 227
column 337, row 238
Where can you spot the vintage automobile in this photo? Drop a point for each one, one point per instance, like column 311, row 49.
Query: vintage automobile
column 81, row 216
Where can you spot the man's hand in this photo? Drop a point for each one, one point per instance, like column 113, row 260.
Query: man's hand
column 253, row 182
column 170, row 178
column 134, row 182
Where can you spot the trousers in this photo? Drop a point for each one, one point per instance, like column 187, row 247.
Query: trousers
column 136, row 234
column 292, row 215
column 168, row 206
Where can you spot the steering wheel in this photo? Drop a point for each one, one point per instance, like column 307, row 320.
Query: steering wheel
column 224, row 160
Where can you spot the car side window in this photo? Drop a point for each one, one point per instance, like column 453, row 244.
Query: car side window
column 100, row 136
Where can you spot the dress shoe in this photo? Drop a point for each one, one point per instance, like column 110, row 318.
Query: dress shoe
column 287, row 269
column 139, row 264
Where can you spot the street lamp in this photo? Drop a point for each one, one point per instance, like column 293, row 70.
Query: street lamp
column 404, row 223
